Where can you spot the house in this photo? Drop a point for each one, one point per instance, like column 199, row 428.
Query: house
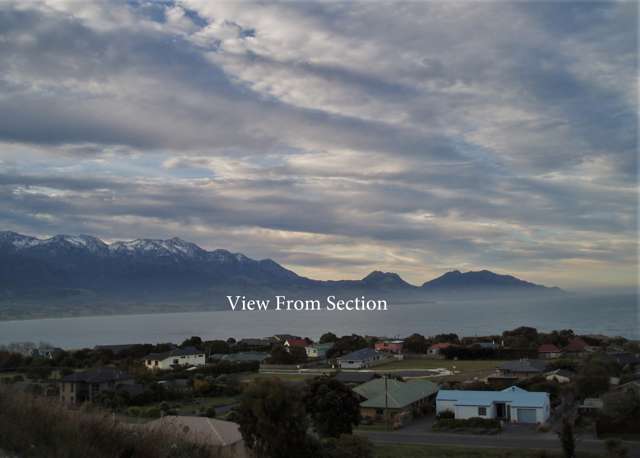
column 576, row 346
column 625, row 358
column 359, row 359
column 436, row 349
column 296, row 343
column 47, row 352
column 549, row 351
column 176, row 384
column 484, row 345
column 243, row 356
column 282, row 338
column 513, row 404
column 187, row 356
column 395, row 401
column 254, row 343
column 85, row 386
column 354, row 378
column 560, row 376
column 391, row 346
column 591, row 406
column 318, row 351
column 223, row 435
column 523, row 368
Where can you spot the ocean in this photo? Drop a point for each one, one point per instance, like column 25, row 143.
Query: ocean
column 585, row 314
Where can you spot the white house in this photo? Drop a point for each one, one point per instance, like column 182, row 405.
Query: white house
column 359, row 359
column 187, row 356
column 318, row 351
column 513, row 404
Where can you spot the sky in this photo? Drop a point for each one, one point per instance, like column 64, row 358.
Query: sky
column 334, row 138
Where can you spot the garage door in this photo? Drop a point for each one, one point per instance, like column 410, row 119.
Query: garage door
column 526, row 415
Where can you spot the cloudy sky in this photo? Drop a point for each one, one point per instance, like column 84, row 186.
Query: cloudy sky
column 335, row 138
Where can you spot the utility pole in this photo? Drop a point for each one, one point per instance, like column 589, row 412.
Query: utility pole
column 386, row 401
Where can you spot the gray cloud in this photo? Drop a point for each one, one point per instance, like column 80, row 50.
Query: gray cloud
column 333, row 137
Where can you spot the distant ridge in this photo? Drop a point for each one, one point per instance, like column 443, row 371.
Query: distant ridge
column 456, row 281
column 84, row 268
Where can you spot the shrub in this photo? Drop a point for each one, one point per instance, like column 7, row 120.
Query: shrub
column 475, row 423
column 134, row 411
column 41, row 428
column 445, row 414
column 152, row 412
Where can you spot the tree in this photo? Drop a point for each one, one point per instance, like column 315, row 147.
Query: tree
column 328, row 337
column 447, row 338
column 291, row 355
column 567, row 439
column 593, row 378
column 333, row 407
column 216, row 346
column 349, row 446
column 273, row 421
column 193, row 341
column 416, row 343
column 347, row 344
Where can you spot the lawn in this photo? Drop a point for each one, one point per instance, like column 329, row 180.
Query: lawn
column 285, row 377
column 442, row 451
column 462, row 366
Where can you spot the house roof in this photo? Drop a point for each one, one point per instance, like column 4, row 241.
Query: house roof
column 354, row 377
column 323, row 346
column 524, row 365
column 245, row 356
column 624, row 358
column 364, row 354
column 576, row 345
column 440, row 346
column 517, row 397
column 255, row 342
column 100, row 375
column 396, row 395
column 209, row 431
column 297, row 342
column 548, row 348
column 562, row 373
column 185, row 351
column 488, row 345
column 283, row 337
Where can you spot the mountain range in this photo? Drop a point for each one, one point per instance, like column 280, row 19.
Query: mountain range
column 73, row 268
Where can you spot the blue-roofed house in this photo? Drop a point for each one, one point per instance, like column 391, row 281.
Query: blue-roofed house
column 512, row 404
column 359, row 359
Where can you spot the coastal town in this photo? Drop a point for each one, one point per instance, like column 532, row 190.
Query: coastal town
column 382, row 396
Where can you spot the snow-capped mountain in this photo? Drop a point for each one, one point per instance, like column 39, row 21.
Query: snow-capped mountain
column 143, row 266
column 68, row 267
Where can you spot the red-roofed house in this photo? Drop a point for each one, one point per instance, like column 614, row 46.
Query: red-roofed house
column 576, row 346
column 391, row 346
column 548, row 351
column 436, row 349
column 296, row 343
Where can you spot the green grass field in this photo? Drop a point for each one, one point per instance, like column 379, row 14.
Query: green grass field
column 284, row 377
column 436, row 451
column 462, row 366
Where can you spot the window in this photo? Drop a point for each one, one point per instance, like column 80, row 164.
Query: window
column 482, row 411
column 379, row 412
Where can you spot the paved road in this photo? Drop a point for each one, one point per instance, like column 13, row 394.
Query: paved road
column 498, row 441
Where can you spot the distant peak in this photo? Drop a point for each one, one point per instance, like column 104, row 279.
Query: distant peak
column 378, row 277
